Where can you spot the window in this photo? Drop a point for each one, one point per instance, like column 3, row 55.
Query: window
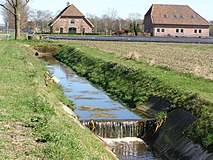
column 195, row 31
column 200, row 31
column 181, row 30
column 175, row 16
column 177, row 30
column 72, row 21
column 165, row 16
column 162, row 30
column 158, row 30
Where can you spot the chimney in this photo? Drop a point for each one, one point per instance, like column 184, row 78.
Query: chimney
column 68, row 4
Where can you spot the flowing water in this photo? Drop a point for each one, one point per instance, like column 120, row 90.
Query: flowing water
column 94, row 104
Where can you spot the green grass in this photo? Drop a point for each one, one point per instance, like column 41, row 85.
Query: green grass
column 33, row 124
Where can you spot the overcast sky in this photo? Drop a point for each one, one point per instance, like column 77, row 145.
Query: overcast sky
column 123, row 7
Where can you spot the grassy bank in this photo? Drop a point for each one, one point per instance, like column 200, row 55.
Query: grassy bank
column 33, row 124
column 134, row 82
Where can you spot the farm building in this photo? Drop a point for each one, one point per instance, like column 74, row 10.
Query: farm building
column 176, row 21
column 70, row 20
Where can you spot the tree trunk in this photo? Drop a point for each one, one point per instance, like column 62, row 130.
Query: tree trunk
column 17, row 24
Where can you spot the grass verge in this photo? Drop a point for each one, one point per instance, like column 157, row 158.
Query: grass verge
column 33, row 124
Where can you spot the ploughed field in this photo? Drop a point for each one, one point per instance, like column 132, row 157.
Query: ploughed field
column 196, row 59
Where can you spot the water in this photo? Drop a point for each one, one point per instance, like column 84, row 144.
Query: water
column 90, row 102
column 130, row 148
column 120, row 129
column 94, row 104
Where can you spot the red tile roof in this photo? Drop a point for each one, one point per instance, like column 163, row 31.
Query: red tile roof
column 70, row 11
column 175, row 15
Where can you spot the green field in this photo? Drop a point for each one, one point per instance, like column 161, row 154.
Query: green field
column 33, row 124
column 188, row 58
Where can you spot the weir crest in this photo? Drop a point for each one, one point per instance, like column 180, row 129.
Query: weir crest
column 120, row 128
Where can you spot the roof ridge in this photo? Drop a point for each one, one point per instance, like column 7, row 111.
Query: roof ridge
column 170, row 4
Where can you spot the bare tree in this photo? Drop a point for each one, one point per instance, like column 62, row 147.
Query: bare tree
column 40, row 19
column 135, row 16
column 110, row 20
column 15, row 11
column 135, row 19
column 8, row 17
column 95, row 21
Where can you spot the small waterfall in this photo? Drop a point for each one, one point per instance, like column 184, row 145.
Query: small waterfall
column 120, row 129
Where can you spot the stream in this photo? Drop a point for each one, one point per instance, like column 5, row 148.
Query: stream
column 93, row 103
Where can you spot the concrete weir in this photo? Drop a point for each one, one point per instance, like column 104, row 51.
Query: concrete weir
column 125, row 138
column 120, row 128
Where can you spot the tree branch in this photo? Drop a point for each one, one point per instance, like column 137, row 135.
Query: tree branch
column 26, row 1
column 11, row 4
column 7, row 9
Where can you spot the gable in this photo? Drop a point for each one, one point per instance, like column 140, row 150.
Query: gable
column 71, row 12
column 176, row 15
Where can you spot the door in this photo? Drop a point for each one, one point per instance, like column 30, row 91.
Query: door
column 61, row 30
column 72, row 30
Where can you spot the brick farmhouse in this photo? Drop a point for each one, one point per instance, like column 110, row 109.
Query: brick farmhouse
column 70, row 20
column 176, row 21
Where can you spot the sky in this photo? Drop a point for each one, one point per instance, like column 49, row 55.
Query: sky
column 123, row 7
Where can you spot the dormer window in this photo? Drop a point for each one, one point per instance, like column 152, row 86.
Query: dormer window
column 72, row 21
column 175, row 16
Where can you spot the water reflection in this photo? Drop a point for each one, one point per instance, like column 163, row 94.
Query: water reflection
column 83, row 93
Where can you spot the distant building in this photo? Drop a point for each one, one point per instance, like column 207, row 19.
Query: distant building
column 175, row 20
column 70, row 20
column 2, row 26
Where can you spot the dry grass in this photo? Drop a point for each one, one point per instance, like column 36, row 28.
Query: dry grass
column 19, row 141
column 188, row 58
